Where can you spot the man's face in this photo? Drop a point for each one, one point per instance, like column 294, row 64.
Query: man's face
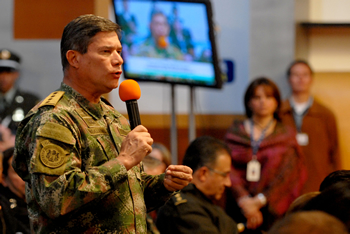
column 159, row 26
column 7, row 80
column 99, row 69
column 300, row 78
column 14, row 182
column 219, row 176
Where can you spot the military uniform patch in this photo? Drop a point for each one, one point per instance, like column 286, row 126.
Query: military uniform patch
column 179, row 199
column 52, row 99
column 52, row 156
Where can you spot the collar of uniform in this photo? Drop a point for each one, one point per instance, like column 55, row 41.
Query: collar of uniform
column 93, row 109
column 191, row 188
column 9, row 95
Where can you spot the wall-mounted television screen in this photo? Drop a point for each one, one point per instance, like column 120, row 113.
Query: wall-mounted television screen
column 168, row 41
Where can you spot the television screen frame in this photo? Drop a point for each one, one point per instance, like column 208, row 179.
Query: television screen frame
column 195, row 66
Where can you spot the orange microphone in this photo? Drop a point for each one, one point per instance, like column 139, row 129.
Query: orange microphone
column 130, row 92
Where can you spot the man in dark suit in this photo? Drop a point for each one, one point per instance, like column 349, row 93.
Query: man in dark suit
column 14, row 103
column 193, row 210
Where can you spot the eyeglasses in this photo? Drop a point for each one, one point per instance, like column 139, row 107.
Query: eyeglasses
column 223, row 174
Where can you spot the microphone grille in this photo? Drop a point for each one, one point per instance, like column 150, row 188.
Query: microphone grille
column 129, row 90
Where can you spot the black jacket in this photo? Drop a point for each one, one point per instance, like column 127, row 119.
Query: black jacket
column 191, row 212
column 21, row 104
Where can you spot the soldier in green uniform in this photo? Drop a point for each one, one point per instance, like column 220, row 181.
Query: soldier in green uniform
column 158, row 44
column 193, row 210
column 76, row 153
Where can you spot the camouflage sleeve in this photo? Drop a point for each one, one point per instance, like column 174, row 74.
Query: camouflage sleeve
column 155, row 192
column 60, row 178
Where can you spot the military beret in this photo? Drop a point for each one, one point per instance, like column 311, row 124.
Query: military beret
column 9, row 59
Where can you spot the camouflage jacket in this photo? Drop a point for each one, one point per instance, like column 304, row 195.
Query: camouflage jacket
column 149, row 49
column 66, row 151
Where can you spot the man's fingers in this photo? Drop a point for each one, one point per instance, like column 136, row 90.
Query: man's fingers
column 174, row 185
column 179, row 175
column 180, row 168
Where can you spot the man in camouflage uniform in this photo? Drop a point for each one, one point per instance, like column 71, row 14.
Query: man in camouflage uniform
column 158, row 45
column 80, row 161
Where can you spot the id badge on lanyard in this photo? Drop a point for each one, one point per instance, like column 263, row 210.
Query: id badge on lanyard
column 253, row 166
column 302, row 138
column 253, row 170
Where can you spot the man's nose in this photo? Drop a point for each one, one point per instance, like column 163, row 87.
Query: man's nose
column 117, row 59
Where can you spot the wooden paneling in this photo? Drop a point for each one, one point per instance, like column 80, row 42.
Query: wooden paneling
column 212, row 125
column 333, row 89
column 45, row 19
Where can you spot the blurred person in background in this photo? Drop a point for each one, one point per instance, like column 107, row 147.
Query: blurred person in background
column 315, row 124
column 8, row 223
column 14, row 103
column 155, row 163
column 158, row 160
column 13, row 189
column 158, row 44
column 334, row 200
column 267, row 162
column 7, row 139
column 334, row 177
column 308, row 222
column 193, row 209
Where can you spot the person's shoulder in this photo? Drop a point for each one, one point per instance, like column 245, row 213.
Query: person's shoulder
column 285, row 106
column 52, row 99
column 321, row 108
column 44, row 110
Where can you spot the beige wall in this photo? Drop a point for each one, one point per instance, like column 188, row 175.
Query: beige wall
column 327, row 49
column 329, row 10
column 333, row 89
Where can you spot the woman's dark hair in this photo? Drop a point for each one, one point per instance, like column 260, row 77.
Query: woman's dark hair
column 249, row 94
column 299, row 61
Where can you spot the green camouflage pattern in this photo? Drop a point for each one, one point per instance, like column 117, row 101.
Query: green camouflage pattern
column 151, row 226
column 66, row 153
column 149, row 49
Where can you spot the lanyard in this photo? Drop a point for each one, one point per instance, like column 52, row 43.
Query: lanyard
column 298, row 118
column 256, row 144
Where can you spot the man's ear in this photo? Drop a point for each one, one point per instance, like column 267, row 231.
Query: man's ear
column 203, row 173
column 73, row 58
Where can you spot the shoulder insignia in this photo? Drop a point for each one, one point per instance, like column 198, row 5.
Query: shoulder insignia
column 51, row 155
column 52, row 99
column 57, row 132
column 179, row 200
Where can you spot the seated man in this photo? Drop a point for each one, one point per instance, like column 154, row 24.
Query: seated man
column 193, row 209
column 13, row 190
column 9, row 223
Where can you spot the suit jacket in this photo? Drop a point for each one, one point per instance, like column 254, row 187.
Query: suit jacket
column 191, row 212
column 322, row 152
